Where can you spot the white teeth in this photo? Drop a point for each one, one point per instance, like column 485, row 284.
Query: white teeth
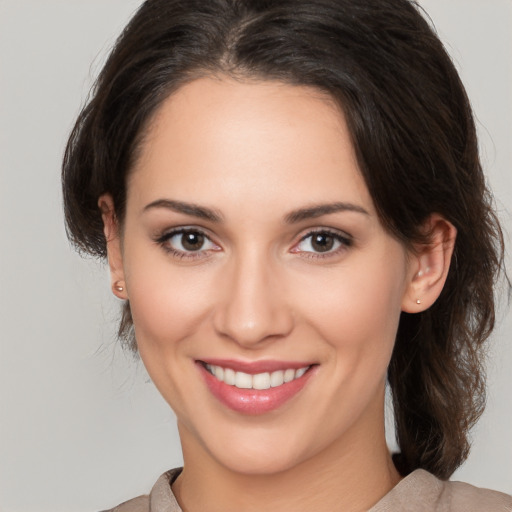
column 261, row 381
column 219, row 372
column 229, row 376
column 276, row 378
column 289, row 375
column 300, row 372
column 243, row 380
column 265, row 380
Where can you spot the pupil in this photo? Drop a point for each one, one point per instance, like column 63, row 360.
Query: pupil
column 323, row 242
column 192, row 241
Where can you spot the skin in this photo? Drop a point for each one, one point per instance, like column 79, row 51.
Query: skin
column 252, row 152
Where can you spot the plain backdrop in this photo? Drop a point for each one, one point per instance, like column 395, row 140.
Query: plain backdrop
column 81, row 426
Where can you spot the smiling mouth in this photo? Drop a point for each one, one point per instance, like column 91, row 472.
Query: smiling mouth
column 257, row 387
column 259, row 381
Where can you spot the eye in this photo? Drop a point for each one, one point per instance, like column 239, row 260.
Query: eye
column 322, row 242
column 187, row 242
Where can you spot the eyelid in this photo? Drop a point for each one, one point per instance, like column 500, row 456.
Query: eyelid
column 165, row 236
column 346, row 241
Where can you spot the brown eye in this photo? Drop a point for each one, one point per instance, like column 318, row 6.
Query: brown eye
column 186, row 241
column 322, row 242
column 325, row 242
column 192, row 241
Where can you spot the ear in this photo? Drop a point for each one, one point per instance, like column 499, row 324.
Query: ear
column 114, row 253
column 429, row 265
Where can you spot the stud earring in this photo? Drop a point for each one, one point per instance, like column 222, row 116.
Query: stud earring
column 118, row 287
column 418, row 301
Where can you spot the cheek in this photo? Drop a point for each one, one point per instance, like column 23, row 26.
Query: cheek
column 168, row 308
column 355, row 313
column 160, row 312
column 356, row 308
column 166, row 302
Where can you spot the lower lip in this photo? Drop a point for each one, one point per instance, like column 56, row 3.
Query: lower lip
column 254, row 401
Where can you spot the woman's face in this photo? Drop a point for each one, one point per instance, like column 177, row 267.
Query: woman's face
column 252, row 250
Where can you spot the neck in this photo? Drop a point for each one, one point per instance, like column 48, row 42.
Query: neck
column 351, row 474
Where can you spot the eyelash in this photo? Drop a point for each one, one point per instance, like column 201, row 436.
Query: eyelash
column 178, row 254
column 344, row 240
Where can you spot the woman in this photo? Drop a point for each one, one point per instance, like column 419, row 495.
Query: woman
column 292, row 207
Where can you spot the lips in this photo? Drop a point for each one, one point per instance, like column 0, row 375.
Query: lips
column 255, row 388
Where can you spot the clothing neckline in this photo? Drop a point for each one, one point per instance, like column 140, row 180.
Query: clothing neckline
column 162, row 498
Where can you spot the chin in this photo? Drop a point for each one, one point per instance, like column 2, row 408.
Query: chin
column 258, row 462
column 260, row 450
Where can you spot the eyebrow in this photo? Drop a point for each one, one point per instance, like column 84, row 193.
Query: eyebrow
column 187, row 208
column 293, row 217
column 315, row 211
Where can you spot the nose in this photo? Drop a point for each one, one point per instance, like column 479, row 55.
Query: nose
column 252, row 306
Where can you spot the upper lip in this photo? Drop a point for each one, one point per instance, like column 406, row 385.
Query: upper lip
column 255, row 367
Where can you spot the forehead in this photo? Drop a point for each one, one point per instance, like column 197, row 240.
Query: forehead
column 215, row 139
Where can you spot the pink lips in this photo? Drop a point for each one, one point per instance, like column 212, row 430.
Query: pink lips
column 254, row 401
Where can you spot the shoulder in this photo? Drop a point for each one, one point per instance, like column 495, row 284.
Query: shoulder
column 139, row 504
column 423, row 492
column 468, row 498
column 161, row 497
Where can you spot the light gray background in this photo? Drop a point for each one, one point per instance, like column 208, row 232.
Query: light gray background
column 81, row 427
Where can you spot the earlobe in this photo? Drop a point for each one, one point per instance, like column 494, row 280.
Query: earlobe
column 429, row 265
column 113, row 240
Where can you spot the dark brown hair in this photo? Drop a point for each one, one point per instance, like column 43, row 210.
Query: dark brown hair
column 414, row 135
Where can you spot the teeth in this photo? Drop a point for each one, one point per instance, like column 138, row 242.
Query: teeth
column 229, row 376
column 276, row 379
column 300, row 372
column 265, row 380
column 261, row 381
column 219, row 372
column 243, row 380
column 289, row 375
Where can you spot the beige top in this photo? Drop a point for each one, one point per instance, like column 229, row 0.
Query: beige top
column 418, row 492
